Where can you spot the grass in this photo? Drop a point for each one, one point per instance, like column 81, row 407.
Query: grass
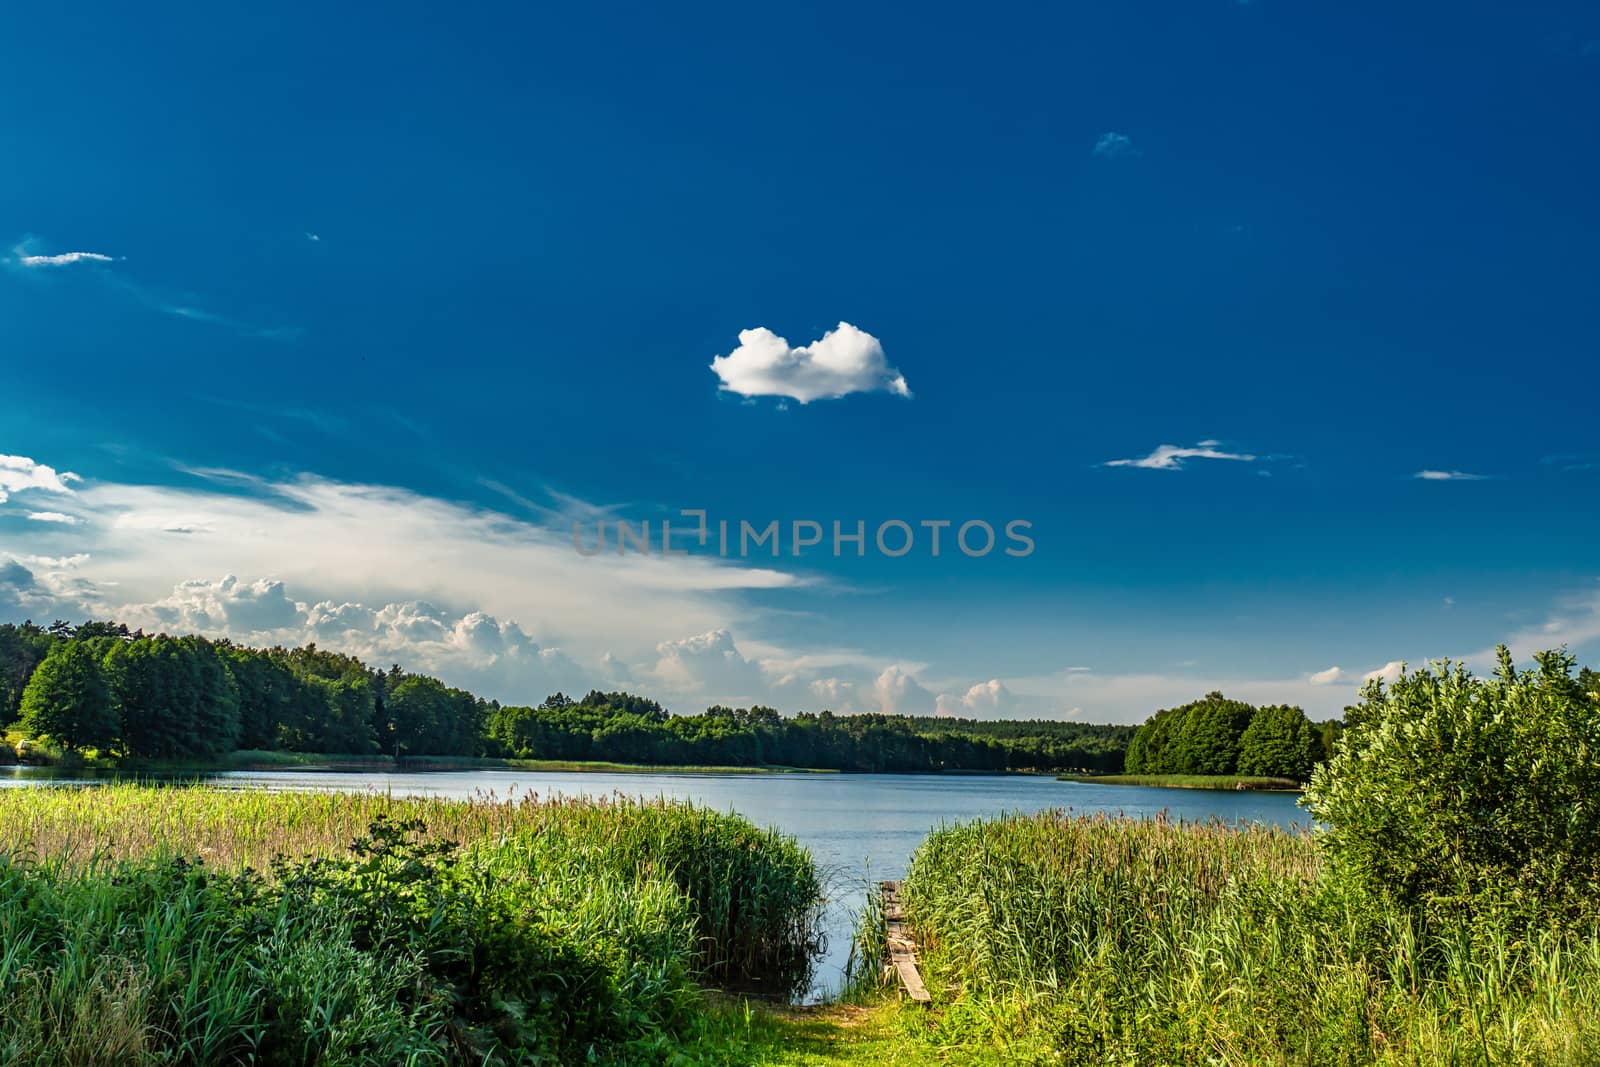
column 1051, row 939
column 322, row 928
column 1189, row 781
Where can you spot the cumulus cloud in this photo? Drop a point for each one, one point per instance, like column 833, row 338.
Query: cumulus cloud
column 19, row 472
column 847, row 360
column 710, row 664
column 1449, row 476
column 53, row 516
column 1331, row 676
column 1172, row 457
column 1114, row 146
column 897, row 692
column 986, row 700
column 377, row 571
column 226, row 606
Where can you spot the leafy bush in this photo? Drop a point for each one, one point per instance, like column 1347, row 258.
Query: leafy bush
column 1451, row 792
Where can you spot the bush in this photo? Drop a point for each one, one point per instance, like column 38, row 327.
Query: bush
column 1449, row 790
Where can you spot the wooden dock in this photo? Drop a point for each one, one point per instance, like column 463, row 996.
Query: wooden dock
column 902, row 946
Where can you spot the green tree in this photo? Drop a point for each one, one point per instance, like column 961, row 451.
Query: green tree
column 1279, row 742
column 67, row 699
column 175, row 698
column 426, row 717
column 1450, row 787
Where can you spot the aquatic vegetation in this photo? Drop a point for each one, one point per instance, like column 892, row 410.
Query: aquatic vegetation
column 195, row 925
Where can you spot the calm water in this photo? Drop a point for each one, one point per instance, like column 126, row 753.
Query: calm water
column 860, row 828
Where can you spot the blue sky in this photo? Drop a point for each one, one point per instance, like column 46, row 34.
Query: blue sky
column 387, row 303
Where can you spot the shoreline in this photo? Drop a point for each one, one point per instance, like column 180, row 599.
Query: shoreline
column 1235, row 783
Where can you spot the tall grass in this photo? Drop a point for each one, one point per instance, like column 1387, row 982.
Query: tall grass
column 366, row 929
column 1094, row 940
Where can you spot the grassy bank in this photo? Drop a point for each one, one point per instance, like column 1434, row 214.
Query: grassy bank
column 146, row 925
column 464, row 763
column 1054, row 939
column 1189, row 781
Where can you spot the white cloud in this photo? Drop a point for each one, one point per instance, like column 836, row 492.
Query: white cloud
column 710, row 664
column 351, row 553
column 897, row 692
column 847, row 360
column 1114, row 146
column 1171, row 457
column 1449, row 476
column 1575, row 624
column 226, row 606
column 19, row 472
column 1331, row 676
column 1389, row 672
column 53, row 516
column 59, row 260
column 986, row 700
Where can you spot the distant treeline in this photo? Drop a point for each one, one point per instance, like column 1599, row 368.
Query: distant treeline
column 103, row 687
column 1218, row 736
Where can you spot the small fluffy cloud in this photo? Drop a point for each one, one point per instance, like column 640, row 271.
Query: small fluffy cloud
column 1389, row 672
column 1172, row 457
column 19, row 472
column 847, row 360
column 1449, row 476
column 1114, row 146
column 53, row 516
column 1331, row 676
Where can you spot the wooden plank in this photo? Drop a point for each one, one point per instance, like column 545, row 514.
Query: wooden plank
column 902, row 946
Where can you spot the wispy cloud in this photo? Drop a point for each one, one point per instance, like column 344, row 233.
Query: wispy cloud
column 1114, row 146
column 151, row 298
column 60, row 259
column 1172, row 457
column 1450, row 476
column 846, row 360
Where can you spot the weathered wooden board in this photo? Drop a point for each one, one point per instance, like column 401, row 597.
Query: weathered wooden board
column 902, row 946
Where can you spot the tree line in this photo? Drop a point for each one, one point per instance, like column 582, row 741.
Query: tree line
column 103, row 687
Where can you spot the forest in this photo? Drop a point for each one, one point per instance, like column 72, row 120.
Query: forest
column 102, row 688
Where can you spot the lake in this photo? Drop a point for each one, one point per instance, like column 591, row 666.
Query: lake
column 860, row 827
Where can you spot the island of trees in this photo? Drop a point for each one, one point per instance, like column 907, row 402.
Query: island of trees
column 1217, row 736
column 103, row 688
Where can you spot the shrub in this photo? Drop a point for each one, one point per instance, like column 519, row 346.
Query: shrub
column 1449, row 789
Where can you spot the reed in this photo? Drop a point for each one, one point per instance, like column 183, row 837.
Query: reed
column 320, row 928
column 1093, row 940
